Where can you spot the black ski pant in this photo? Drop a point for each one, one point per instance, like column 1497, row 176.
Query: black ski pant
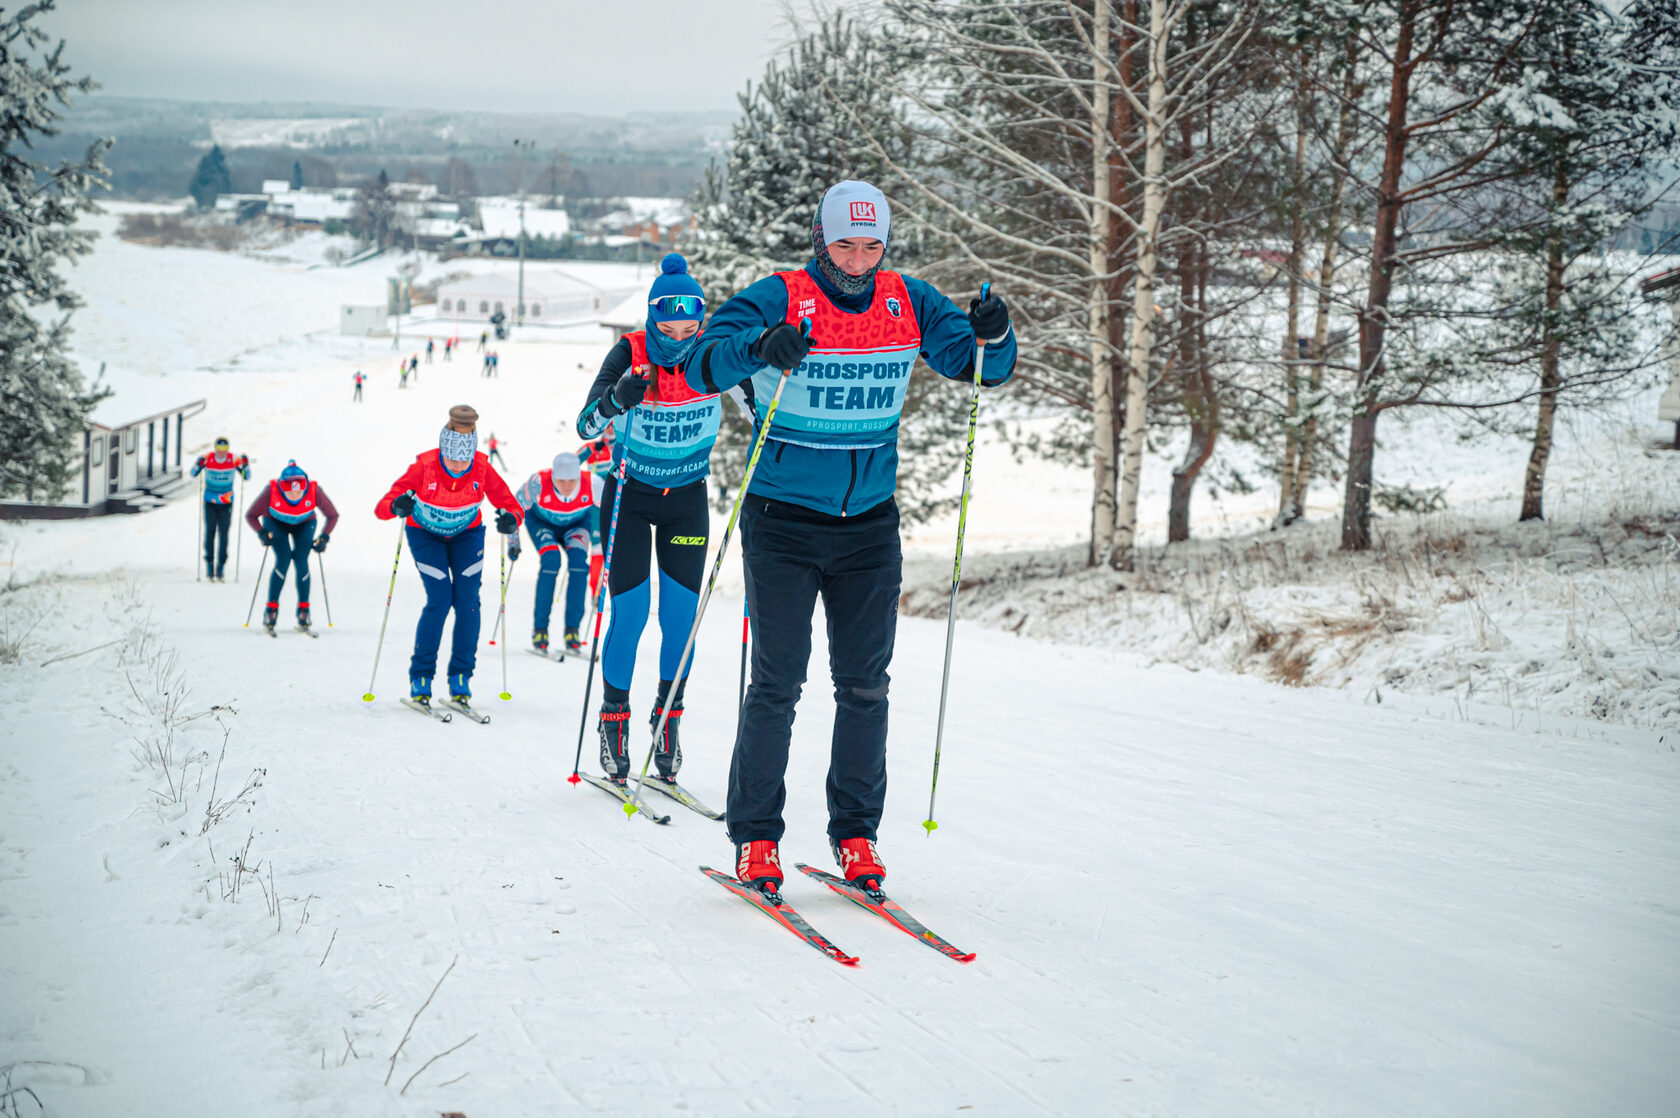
column 791, row 555
column 291, row 549
column 217, row 519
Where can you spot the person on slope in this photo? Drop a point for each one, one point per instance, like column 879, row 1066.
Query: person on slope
column 283, row 517
column 597, row 456
column 559, row 505
column 359, row 379
column 402, row 374
column 819, row 517
column 439, row 495
column 219, row 468
column 448, row 348
column 430, row 345
column 493, row 451
column 664, row 435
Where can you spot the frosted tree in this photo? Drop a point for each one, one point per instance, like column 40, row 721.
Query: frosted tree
column 43, row 403
column 1595, row 122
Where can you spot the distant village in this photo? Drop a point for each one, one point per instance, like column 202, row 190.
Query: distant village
column 423, row 220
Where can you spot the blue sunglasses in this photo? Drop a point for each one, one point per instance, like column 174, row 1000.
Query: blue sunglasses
column 688, row 306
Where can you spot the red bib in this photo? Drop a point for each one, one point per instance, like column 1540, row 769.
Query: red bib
column 289, row 512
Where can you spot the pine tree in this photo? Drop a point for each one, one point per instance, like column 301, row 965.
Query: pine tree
column 297, row 175
column 43, row 404
column 805, row 126
column 210, row 178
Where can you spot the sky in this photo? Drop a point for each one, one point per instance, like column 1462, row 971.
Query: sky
column 593, row 56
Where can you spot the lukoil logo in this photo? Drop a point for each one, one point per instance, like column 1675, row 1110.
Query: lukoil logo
column 863, row 213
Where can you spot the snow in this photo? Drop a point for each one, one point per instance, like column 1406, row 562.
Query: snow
column 1244, row 898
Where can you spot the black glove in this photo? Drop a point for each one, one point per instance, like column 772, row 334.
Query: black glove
column 505, row 523
column 989, row 318
column 513, row 549
column 320, row 543
column 402, row 504
column 628, row 392
column 265, row 536
column 782, row 346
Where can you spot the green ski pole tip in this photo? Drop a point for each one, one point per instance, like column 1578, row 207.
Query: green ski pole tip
column 504, row 696
column 629, row 810
column 368, row 698
column 930, row 826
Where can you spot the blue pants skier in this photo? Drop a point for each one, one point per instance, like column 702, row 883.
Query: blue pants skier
column 451, row 569
column 291, row 549
column 552, row 545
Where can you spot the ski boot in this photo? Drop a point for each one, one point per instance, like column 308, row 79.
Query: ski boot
column 271, row 614
column 759, row 865
column 574, row 643
column 615, row 740
column 860, row 862
column 303, row 617
column 460, row 690
column 539, row 640
column 667, row 754
column 420, row 691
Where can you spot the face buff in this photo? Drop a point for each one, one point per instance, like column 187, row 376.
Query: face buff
column 458, row 446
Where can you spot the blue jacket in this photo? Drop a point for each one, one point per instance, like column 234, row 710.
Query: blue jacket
column 837, row 480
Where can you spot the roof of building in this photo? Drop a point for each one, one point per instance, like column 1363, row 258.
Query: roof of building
column 501, row 219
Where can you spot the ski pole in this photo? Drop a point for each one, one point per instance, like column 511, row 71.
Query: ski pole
column 252, row 608
column 326, row 599
column 632, row 805
column 200, row 541
column 741, row 691
column 956, row 566
column 600, row 608
column 239, row 543
column 402, row 524
column 505, row 694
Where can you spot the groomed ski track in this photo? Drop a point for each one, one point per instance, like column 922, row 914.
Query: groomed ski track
column 1238, row 899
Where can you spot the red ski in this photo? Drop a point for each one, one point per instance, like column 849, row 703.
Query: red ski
column 888, row 909
column 772, row 905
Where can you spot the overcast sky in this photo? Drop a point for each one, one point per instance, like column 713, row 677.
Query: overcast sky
column 600, row 56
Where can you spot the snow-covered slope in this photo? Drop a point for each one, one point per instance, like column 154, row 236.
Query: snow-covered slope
column 1190, row 893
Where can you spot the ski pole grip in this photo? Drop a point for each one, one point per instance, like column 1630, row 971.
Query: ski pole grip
column 985, row 291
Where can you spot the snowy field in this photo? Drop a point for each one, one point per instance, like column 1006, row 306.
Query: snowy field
column 227, row 885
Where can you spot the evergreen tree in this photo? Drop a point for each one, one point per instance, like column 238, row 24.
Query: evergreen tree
column 43, row 404
column 210, row 178
column 815, row 119
column 375, row 214
column 297, row 175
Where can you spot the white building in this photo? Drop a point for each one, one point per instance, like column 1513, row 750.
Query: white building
column 500, row 218
column 550, row 297
column 361, row 321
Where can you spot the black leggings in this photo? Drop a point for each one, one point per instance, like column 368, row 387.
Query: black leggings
column 670, row 523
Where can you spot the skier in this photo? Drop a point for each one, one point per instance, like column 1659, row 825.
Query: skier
column 493, row 451
column 495, row 363
column 664, row 448
column 359, row 379
column 559, row 505
column 596, row 456
column 219, row 468
column 429, row 344
column 439, row 495
column 283, row 517
column 484, row 369
column 819, row 516
column 402, row 374
column 448, row 349
column 414, row 367
column 483, row 340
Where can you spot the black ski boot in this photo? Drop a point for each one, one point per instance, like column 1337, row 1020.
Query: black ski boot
column 303, row 616
column 667, row 754
column 574, row 642
column 539, row 640
column 271, row 614
column 615, row 740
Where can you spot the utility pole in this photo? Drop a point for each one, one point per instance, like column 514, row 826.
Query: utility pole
column 523, row 146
